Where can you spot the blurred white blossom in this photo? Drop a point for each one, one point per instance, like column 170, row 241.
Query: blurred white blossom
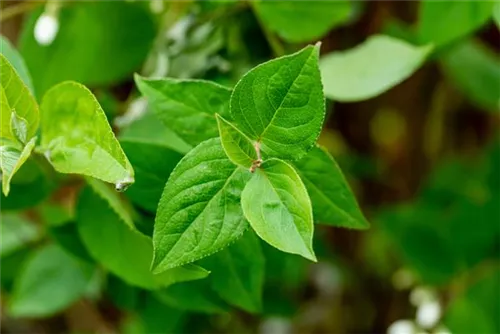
column 46, row 29
column 428, row 314
column 402, row 327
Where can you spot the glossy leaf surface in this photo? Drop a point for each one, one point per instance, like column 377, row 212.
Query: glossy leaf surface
column 277, row 206
column 199, row 211
column 369, row 69
column 77, row 137
column 280, row 104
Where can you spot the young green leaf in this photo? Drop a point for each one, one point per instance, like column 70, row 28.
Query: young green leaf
column 19, row 127
column 188, row 107
column 475, row 70
column 369, row 69
column 238, row 273
column 123, row 251
column 29, row 186
column 332, row 200
column 199, row 211
column 280, row 104
column 238, row 147
column 51, row 281
column 152, row 164
column 77, row 138
column 16, row 61
column 438, row 20
column 277, row 206
column 11, row 159
column 16, row 233
column 15, row 97
column 88, row 47
column 302, row 21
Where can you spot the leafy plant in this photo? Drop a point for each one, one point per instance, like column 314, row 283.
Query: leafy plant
column 168, row 166
column 241, row 173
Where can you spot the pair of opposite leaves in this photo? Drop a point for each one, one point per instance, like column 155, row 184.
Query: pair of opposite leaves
column 278, row 111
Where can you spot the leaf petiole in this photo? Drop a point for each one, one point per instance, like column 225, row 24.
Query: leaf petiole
column 256, row 163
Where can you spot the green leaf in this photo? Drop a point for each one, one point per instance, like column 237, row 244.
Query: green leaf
column 475, row 70
column 474, row 245
column 302, row 21
column 124, row 211
column 12, row 265
column 50, row 281
column 153, row 316
column 16, row 233
column 16, row 61
column 238, row 273
column 15, row 97
column 152, row 164
column 77, row 137
column 159, row 318
column 30, row 185
column 66, row 235
column 122, row 250
column 194, row 296
column 11, row 159
column 332, row 199
column 199, row 211
column 280, row 104
column 19, row 127
column 188, row 107
column 122, row 295
column 150, row 130
column 89, row 47
column 496, row 14
column 413, row 226
column 371, row 68
column 442, row 22
column 238, row 147
column 476, row 309
column 277, row 206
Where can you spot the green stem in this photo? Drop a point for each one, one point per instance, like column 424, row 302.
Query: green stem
column 272, row 39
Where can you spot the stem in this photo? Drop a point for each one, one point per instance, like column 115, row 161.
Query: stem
column 23, row 7
column 257, row 150
column 256, row 164
column 274, row 43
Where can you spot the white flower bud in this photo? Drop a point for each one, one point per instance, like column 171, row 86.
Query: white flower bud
column 46, row 29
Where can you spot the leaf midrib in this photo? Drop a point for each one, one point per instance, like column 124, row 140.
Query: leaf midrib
column 283, row 202
column 259, row 139
column 192, row 223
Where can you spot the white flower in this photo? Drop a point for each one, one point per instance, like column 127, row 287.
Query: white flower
column 402, row 327
column 428, row 314
column 46, row 29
